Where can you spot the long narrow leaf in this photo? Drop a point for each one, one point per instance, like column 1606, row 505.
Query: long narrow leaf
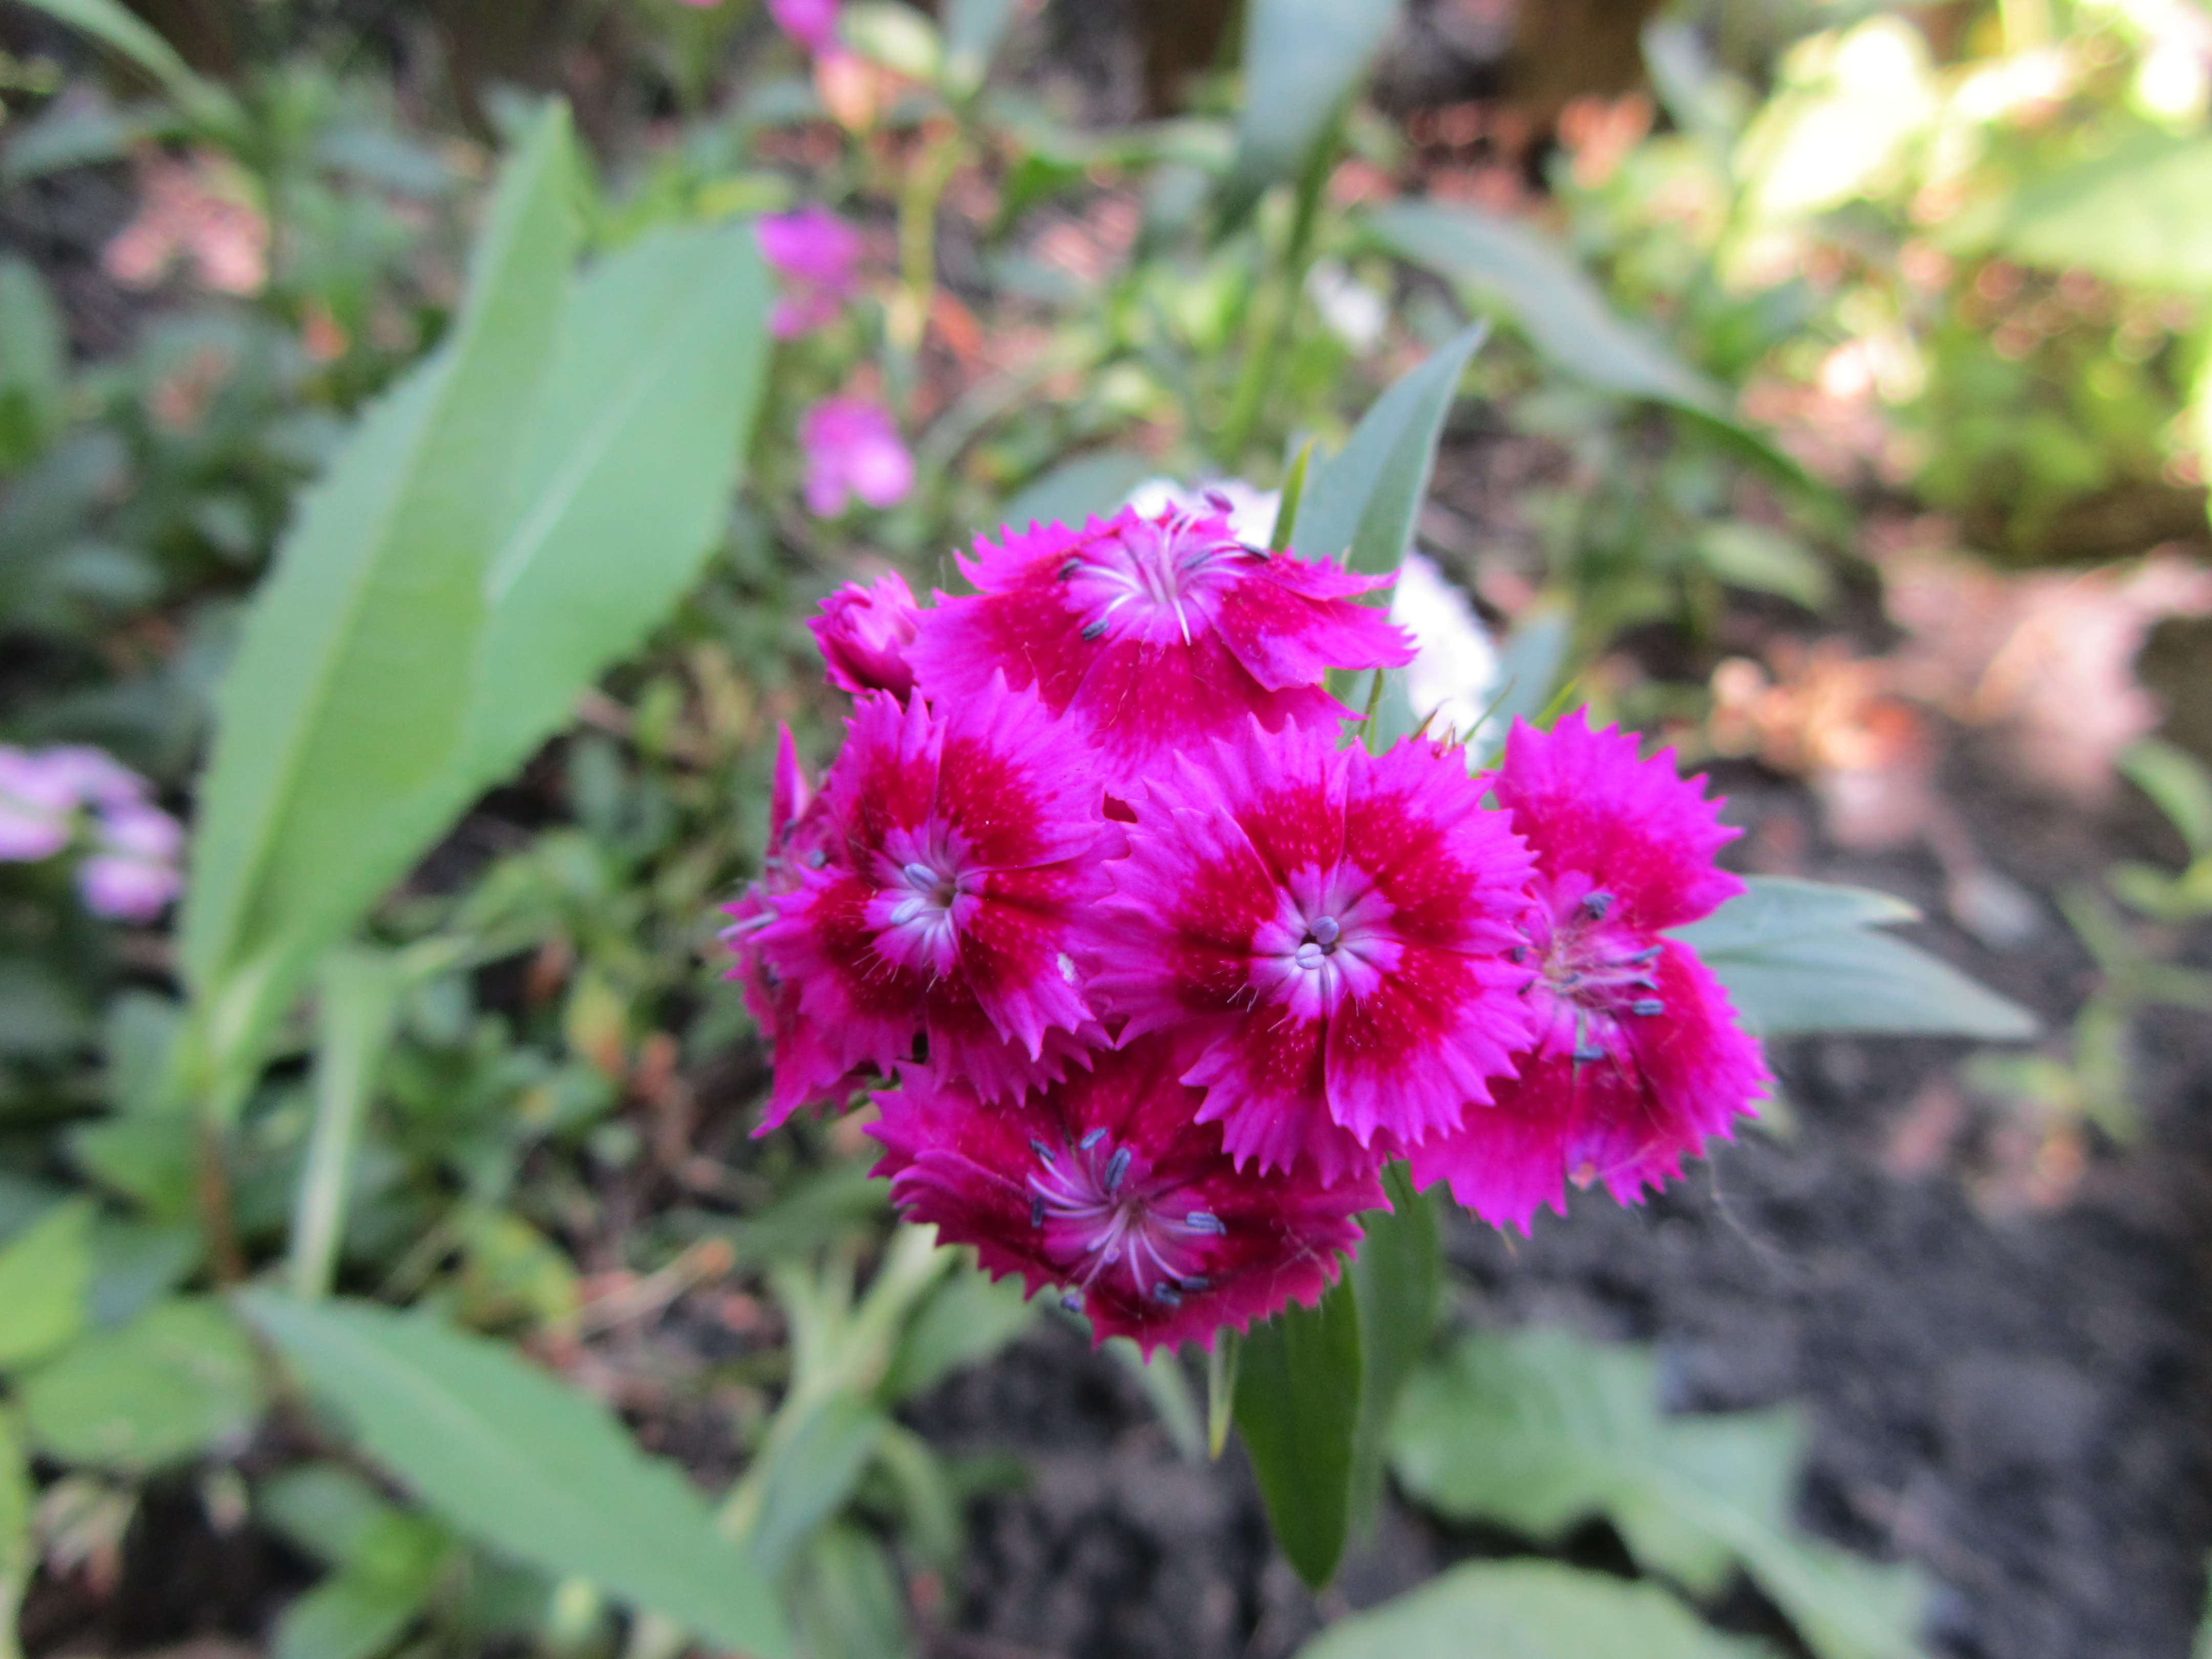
column 1362, row 502
column 525, row 1463
column 1302, row 59
column 351, row 690
column 1298, row 1409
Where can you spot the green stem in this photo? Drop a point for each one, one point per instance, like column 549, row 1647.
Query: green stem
column 357, row 1024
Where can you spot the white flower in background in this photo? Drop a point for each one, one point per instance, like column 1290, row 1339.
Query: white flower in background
column 1354, row 313
column 1453, row 677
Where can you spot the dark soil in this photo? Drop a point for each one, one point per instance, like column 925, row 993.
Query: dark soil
column 2018, row 1400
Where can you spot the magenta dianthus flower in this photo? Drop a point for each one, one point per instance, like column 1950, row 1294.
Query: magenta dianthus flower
column 967, row 844
column 864, row 633
column 852, row 449
column 799, row 837
column 1638, row 1059
column 1158, row 632
column 819, row 255
column 1109, row 1186
column 1331, row 924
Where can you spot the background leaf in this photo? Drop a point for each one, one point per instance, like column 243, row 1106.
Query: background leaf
column 525, row 1463
column 177, row 1380
column 33, row 367
column 1302, row 59
column 351, row 687
column 1363, row 501
column 1071, row 492
column 1539, row 1430
column 1528, row 1610
column 119, row 29
column 1298, row 1409
column 2133, row 214
column 19, row 1550
column 1800, row 955
column 1548, row 297
column 45, row 1273
column 623, row 473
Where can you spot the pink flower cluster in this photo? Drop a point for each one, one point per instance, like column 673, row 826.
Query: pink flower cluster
column 1164, row 972
column 50, row 797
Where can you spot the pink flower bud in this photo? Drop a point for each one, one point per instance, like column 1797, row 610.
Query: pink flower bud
column 818, row 254
column 812, row 23
column 864, row 633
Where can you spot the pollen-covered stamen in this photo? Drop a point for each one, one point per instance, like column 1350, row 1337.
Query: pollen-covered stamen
column 1146, row 573
column 1102, row 1211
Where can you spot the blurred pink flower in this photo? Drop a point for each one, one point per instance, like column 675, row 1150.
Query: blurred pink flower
column 852, row 449
column 812, row 23
column 133, row 875
column 819, row 254
column 38, row 805
column 198, row 210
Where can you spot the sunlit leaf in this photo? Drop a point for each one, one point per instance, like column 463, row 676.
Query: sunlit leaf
column 1361, row 503
column 1800, row 956
column 525, row 1463
column 1539, row 1431
column 2134, row 214
column 1544, row 293
column 1528, row 1610
column 1298, row 1409
column 349, row 696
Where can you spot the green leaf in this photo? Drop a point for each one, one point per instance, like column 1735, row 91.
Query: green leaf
column 351, row 692
column 353, row 1025
column 1298, row 1409
column 625, row 471
column 1540, row 1431
column 366, row 1604
column 45, row 1273
column 1800, row 955
column 1362, row 502
column 1548, row 297
column 33, row 365
column 1303, row 61
column 1071, row 492
column 1528, row 1610
column 2134, row 215
column 966, row 1319
column 19, row 1547
column 115, row 27
column 2179, row 785
column 1397, row 1276
column 1765, row 560
column 521, row 1462
column 845, row 1599
column 178, row 1379
column 808, row 1472
column 1528, row 669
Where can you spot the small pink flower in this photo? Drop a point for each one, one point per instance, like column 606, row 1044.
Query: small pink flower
column 799, row 837
column 967, row 845
column 819, row 254
column 812, row 23
column 864, row 633
column 38, row 806
column 852, row 449
column 1333, row 925
column 1108, row 1186
column 1158, row 632
column 1638, row 1059
column 132, row 875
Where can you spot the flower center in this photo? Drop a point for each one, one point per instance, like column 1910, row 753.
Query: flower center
column 1597, row 973
column 919, row 909
column 1103, row 1211
column 1331, row 939
column 1150, row 578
